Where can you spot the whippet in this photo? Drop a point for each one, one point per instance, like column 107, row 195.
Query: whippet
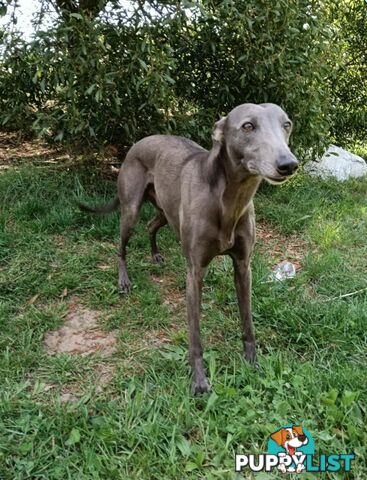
column 207, row 199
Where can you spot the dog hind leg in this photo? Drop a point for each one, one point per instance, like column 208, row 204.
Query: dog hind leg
column 154, row 225
column 132, row 183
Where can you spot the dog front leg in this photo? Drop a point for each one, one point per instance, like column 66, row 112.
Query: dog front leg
column 194, row 282
column 242, row 280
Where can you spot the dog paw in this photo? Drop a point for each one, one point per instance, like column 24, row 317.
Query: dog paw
column 158, row 258
column 250, row 354
column 200, row 386
column 124, row 287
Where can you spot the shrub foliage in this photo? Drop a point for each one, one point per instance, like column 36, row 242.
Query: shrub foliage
column 349, row 75
column 167, row 67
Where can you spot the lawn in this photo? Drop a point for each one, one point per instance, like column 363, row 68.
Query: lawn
column 128, row 414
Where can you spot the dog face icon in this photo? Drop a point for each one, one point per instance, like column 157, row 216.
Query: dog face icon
column 290, row 438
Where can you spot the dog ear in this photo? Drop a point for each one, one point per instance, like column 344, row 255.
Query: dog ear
column 298, row 429
column 218, row 132
column 278, row 437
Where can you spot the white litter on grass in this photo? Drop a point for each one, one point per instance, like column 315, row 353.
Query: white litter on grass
column 338, row 163
column 283, row 271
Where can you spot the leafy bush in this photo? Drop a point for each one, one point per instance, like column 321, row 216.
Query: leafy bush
column 348, row 82
column 175, row 69
column 87, row 81
column 251, row 51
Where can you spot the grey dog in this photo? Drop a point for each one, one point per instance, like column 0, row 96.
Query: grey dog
column 207, row 198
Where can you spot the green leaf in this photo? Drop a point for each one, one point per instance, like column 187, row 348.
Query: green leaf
column 349, row 397
column 190, row 466
column 173, row 352
column 59, row 137
column 325, row 436
column 77, row 16
column 25, row 448
column 74, row 437
column 98, row 95
column 184, row 446
column 330, row 397
column 90, row 89
column 211, row 400
column 143, row 64
column 169, row 79
column 200, row 457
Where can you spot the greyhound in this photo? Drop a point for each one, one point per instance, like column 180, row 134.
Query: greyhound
column 207, row 198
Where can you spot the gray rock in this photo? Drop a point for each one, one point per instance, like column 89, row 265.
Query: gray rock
column 338, row 163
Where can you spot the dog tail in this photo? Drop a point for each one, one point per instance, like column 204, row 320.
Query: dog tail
column 110, row 207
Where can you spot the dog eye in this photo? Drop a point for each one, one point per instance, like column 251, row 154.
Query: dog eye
column 248, row 127
column 287, row 125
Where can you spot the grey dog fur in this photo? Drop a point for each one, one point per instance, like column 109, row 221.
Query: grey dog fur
column 207, row 199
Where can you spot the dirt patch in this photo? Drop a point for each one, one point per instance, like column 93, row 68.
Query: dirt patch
column 13, row 151
column 16, row 151
column 80, row 334
column 281, row 247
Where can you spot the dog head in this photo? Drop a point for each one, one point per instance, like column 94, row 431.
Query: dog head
column 290, row 438
column 256, row 138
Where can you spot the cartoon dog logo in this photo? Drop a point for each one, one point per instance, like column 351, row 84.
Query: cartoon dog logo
column 290, row 439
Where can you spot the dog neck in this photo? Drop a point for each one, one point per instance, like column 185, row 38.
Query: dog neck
column 234, row 187
column 236, row 198
column 238, row 186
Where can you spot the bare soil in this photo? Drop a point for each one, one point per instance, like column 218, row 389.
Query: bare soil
column 281, row 247
column 80, row 334
column 13, row 151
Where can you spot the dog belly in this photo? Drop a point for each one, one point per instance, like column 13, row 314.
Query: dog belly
column 168, row 203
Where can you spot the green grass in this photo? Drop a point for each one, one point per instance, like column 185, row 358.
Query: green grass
column 145, row 424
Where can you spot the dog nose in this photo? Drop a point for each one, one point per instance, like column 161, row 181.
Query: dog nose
column 301, row 438
column 286, row 165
